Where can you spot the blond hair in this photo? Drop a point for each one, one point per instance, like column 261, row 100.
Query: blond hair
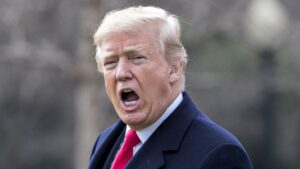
column 134, row 19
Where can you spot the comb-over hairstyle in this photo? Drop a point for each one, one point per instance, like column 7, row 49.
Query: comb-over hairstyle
column 135, row 19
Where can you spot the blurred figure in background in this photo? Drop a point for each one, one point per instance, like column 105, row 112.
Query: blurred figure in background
column 143, row 61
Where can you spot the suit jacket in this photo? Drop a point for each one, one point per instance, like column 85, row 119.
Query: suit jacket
column 187, row 139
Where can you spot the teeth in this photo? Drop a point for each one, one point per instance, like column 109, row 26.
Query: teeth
column 127, row 90
column 130, row 103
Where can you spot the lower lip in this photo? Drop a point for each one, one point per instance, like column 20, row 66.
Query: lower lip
column 130, row 106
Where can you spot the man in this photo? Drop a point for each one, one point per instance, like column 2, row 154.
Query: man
column 143, row 61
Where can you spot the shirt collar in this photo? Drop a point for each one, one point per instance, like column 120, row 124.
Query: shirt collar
column 145, row 133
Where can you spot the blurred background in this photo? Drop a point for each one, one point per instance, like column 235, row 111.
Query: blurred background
column 243, row 72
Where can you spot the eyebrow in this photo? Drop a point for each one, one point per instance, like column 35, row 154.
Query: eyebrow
column 127, row 51
column 107, row 54
column 134, row 49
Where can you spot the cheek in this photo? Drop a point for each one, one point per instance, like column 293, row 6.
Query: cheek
column 161, row 81
column 161, row 89
column 156, row 93
column 109, row 85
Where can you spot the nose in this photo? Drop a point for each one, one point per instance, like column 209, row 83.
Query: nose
column 123, row 72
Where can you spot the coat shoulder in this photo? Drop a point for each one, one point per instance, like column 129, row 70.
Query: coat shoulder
column 213, row 133
column 209, row 144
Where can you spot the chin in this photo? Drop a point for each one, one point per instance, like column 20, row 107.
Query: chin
column 133, row 122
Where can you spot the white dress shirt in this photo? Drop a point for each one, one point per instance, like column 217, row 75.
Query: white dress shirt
column 145, row 133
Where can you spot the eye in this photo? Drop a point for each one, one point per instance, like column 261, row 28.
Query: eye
column 110, row 64
column 138, row 59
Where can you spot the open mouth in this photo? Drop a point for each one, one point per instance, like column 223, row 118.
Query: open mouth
column 129, row 97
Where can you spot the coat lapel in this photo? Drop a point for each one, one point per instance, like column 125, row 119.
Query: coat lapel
column 104, row 145
column 166, row 139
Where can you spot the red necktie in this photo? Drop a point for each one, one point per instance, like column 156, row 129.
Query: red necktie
column 126, row 151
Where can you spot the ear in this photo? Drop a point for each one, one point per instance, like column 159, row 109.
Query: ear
column 175, row 72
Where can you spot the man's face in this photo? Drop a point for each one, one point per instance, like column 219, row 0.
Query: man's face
column 137, row 77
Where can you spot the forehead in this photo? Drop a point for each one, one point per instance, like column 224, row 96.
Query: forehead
column 124, row 42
